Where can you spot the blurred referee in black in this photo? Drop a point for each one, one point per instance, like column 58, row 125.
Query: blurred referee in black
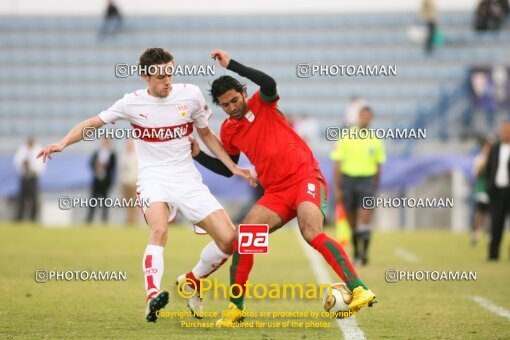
column 357, row 168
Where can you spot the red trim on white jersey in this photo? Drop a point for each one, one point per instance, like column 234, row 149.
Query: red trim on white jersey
column 163, row 134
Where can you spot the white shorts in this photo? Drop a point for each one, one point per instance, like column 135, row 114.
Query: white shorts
column 188, row 195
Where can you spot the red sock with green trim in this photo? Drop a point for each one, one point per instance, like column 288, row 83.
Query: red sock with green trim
column 239, row 272
column 337, row 258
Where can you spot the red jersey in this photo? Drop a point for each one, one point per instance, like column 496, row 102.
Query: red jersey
column 281, row 158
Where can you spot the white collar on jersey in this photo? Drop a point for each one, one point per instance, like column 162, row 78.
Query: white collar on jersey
column 146, row 94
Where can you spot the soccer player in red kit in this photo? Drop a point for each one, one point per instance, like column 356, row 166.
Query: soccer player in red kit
column 287, row 170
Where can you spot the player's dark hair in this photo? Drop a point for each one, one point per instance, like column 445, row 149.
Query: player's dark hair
column 368, row 109
column 224, row 84
column 154, row 56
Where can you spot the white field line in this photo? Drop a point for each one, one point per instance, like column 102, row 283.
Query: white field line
column 406, row 255
column 487, row 304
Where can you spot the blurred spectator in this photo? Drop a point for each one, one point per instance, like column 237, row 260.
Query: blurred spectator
column 308, row 128
column 490, row 86
column 429, row 15
column 498, row 188
column 481, row 196
column 112, row 21
column 128, row 172
column 505, row 7
column 357, row 169
column 353, row 109
column 103, row 165
column 483, row 98
column 30, row 169
column 490, row 14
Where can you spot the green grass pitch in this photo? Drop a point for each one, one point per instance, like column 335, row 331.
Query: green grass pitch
column 95, row 309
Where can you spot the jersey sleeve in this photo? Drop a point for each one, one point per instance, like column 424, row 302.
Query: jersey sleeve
column 269, row 99
column 201, row 112
column 116, row 112
column 226, row 138
column 265, row 100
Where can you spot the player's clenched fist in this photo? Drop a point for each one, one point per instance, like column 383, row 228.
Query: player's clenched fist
column 195, row 148
column 48, row 150
column 221, row 56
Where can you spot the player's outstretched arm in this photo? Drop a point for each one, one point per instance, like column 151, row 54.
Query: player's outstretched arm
column 267, row 83
column 209, row 162
column 214, row 144
column 75, row 135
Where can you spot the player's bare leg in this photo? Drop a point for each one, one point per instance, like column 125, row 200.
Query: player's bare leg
column 219, row 226
column 153, row 264
column 243, row 263
column 310, row 220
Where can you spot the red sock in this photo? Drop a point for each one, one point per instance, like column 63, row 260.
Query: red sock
column 196, row 281
column 192, row 278
column 239, row 272
column 337, row 258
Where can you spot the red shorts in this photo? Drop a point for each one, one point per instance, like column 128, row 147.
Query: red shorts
column 285, row 202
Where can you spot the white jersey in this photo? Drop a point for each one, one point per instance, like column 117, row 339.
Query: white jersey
column 163, row 126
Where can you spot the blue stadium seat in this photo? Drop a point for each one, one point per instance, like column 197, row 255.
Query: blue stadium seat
column 59, row 73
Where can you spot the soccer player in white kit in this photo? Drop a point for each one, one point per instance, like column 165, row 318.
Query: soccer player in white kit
column 164, row 116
